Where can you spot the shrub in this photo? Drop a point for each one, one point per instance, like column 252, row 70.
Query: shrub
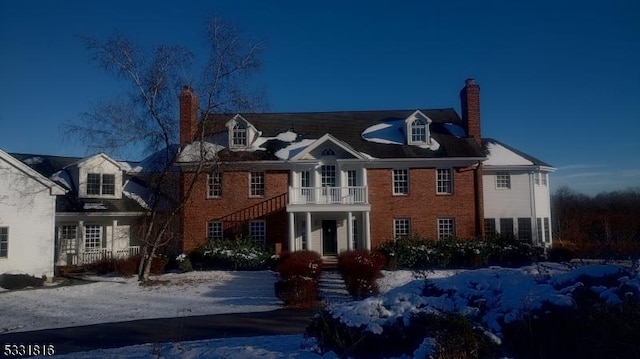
column 300, row 263
column 19, row 281
column 299, row 278
column 127, row 267
column 238, row 254
column 297, row 291
column 184, row 263
column 360, row 269
column 101, row 267
column 454, row 336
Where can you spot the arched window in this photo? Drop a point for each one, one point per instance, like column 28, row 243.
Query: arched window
column 418, row 131
column 328, row 152
column 239, row 135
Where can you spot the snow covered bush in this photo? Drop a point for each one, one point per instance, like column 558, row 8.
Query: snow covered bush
column 184, row 263
column 299, row 278
column 360, row 269
column 238, row 254
column 546, row 310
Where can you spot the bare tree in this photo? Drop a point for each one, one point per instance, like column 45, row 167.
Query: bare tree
column 146, row 118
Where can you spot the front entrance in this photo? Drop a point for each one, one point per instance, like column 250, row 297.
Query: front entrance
column 329, row 237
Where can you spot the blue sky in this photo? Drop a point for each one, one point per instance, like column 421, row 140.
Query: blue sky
column 560, row 80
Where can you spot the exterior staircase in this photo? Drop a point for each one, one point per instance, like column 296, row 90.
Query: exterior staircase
column 332, row 287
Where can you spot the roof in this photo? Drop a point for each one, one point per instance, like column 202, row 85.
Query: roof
column 348, row 126
column 55, row 188
column 501, row 154
column 55, row 168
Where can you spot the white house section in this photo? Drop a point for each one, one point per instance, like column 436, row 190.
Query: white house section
column 27, row 213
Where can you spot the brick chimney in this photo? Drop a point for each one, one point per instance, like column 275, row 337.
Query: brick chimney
column 470, row 103
column 188, row 115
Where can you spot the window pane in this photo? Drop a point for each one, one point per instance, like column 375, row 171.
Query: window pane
column 506, row 227
column 93, row 184
column 401, row 227
column 490, row 227
column 108, row 184
column 257, row 183
column 400, row 181
column 446, row 228
column 524, row 229
column 503, row 180
column 547, row 230
column 539, row 230
column 92, row 237
column 68, row 236
column 445, row 181
column 239, row 135
column 257, row 231
column 418, row 131
column 214, row 230
column 328, row 175
column 4, row 242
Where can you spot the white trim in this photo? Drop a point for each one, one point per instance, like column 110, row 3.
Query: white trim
column 328, row 138
column 54, row 188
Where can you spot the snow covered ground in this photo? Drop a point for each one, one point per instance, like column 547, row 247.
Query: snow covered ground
column 506, row 293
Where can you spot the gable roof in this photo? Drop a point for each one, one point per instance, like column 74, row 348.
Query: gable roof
column 347, row 127
column 54, row 188
column 501, row 154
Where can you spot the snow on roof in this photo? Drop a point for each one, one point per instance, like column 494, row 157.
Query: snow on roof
column 392, row 133
column 502, row 156
column 293, row 149
column 62, row 178
column 33, row 160
column 288, row 136
column 94, row 205
column 138, row 193
column 192, row 152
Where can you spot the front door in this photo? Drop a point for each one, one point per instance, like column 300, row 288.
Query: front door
column 329, row 237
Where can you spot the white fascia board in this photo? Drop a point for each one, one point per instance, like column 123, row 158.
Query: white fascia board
column 82, row 161
column 54, row 188
column 521, row 168
column 328, row 137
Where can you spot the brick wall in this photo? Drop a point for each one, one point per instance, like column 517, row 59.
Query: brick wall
column 235, row 198
column 422, row 205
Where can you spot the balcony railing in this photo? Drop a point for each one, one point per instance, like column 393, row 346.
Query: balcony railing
column 328, row 195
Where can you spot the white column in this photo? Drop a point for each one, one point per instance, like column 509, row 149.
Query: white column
column 114, row 237
column 292, row 233
column 308, row 229
column 80, row 243
column 349, row 231
column 367, row 231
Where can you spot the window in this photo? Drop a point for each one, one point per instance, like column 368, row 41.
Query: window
column 524, row 229
column 490, row 227
column 257, row 231
column 544, row 179
column 503, row 180
column 214, row 231
column 547, row 230
column 101, row 184
column 401, row 227
column 444, row 183
column 4, row 242
column 418, row 131
column 400, row 182
column 214, row 188
column 239, row 135
column 92, row 237
column 446, row 228
column 540, row 178
column 354, row 233
column 328, row 175
column 506, row 227
column 539, row 230
column 257, row 184
column 328, row 152
column 68, row 237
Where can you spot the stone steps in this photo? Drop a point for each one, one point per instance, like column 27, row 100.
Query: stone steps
column 332, row 288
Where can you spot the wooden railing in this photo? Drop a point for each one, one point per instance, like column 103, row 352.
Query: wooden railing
column 95, row 255
column 328, row 195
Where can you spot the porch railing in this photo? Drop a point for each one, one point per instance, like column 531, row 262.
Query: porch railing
column 95, row 255
column 328, row 195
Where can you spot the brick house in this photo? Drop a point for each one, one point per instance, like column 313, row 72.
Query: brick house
column 332, row 181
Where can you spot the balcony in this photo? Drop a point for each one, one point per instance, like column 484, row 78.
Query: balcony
column 328, row 195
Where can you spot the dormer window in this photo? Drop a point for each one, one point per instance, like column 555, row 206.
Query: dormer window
column 418, row 131
column 239, row 135
column 101, row 184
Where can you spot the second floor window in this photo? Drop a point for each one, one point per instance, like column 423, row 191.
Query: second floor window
column 503, row 180
column 328, row 175
column 400, row 182
column 444, row 183
column 214, row 185
column 257, row 184
column 101, row 184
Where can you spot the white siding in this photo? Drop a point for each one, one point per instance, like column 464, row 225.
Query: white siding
column 507, row 203
column 27, row 209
